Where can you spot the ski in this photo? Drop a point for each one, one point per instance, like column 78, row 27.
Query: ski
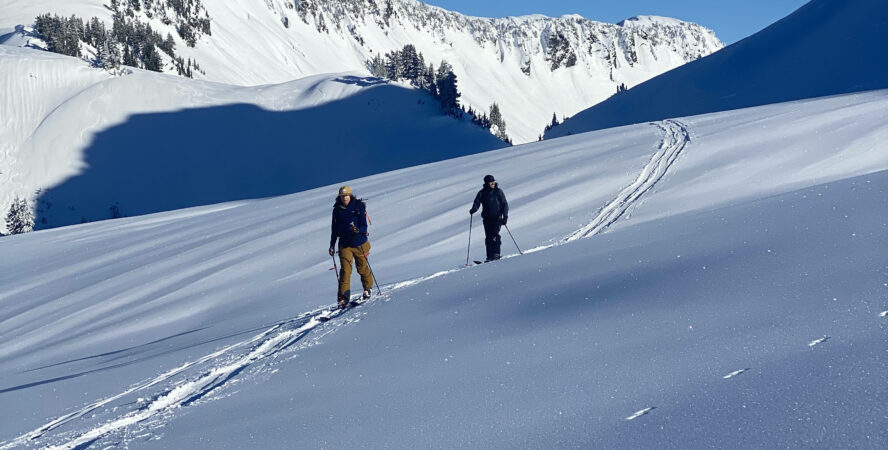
column 482, row 262
column 335, row 311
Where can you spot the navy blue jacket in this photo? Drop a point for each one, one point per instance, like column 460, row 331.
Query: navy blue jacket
column 349, row 223
column 495, row 206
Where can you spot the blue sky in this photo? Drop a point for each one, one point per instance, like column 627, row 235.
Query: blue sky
column 732, row 20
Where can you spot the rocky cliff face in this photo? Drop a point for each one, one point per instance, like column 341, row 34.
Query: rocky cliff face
column 532, row 66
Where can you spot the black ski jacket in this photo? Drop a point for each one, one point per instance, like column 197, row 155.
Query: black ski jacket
column 349, row 223
column 493, row 203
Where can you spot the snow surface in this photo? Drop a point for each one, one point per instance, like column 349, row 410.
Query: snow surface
column 687, row 321
column 146, row 142
column 824, row 48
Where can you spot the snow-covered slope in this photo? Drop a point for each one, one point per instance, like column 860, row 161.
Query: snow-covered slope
column 96, row 145
column 532, row 66
column 733, row 295
column 824, row 48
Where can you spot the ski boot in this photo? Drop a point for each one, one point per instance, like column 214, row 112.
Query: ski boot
column 343, row 300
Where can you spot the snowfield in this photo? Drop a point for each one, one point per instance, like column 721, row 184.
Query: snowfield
column 714, row 280
column 82, row 142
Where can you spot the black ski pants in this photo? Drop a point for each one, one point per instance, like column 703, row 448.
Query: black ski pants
column 492, row 238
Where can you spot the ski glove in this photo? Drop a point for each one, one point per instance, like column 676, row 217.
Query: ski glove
column 354, row 229
column 505, row 219
column 471, row 211
column 331, row 251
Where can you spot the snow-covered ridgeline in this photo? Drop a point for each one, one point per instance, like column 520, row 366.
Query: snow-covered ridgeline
column 532, row 66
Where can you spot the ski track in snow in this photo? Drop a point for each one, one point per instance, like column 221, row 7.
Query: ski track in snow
column 818, row 341
column 213, row 371
column 676, row 136
column 196, row 380
column 218, row 368
column 641, row 413
column 734, row 374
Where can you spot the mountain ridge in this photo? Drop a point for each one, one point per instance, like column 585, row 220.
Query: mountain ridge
column 819, row 50
column 532, row 66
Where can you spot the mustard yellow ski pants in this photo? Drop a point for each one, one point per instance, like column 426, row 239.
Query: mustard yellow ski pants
column 359, row 256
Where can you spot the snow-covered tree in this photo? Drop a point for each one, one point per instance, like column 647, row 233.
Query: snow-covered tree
column 103, row 59
column 393, row 65
column 497, row 123
column 20, row 219
column 376, row 66
column 411, row 64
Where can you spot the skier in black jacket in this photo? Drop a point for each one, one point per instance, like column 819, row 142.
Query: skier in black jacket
column 494, row 212
column 349, row 226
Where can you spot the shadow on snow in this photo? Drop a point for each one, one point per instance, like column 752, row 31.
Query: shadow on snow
column 171, row 160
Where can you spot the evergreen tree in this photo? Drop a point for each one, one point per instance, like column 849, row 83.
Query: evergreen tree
column 151, row 58
column 389, row 11
column 19, row 219
column 393, row 65
column 169, row 45
column 409, row 64
column 128, row 58
column 497, row 123
column 420, row 80
column 103, row 59
column 554, row 122
column 114, row 55
column 128, row 40
column 448, row 93
column 429, row 80
column 376, row 66
column 95, row 33
column 496, row 117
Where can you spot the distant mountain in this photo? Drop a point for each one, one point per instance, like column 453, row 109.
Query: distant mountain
column 826, row 47
column 83, row 145
column 531, row 66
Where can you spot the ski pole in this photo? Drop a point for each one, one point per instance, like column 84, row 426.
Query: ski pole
column 513, row 239
column 469, row 248
column 378, row 290
column 335, row 269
